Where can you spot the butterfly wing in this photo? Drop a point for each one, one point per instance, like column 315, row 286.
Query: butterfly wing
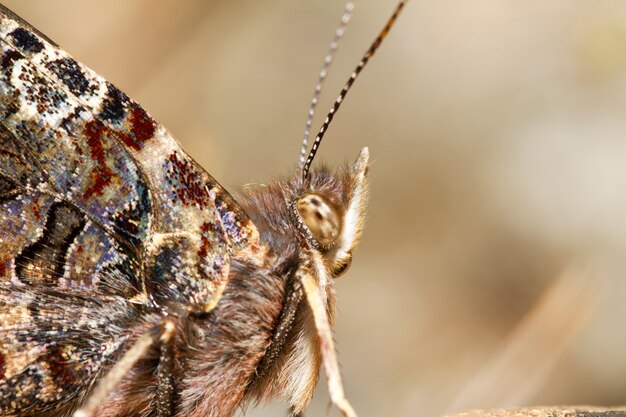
column 110, row 159
column 100, row 210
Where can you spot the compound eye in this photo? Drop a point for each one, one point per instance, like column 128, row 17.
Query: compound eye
column 321, row 217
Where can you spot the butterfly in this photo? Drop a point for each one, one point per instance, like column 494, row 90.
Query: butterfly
column 131, row 282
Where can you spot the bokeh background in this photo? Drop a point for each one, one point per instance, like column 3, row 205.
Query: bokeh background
column 492, row 269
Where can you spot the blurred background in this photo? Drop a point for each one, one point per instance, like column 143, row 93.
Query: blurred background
column 492, row 269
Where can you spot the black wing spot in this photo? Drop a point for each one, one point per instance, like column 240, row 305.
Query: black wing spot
column 8, row 58
column 70, row 74
column 129, row 221
column 114, row 106
column 44, row 260
column 26, row 41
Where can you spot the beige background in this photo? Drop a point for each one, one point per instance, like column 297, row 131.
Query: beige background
column 491, row 272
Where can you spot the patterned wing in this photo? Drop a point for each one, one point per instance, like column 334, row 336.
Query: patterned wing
column 54, row 343
column 100, row 211
column 86, row 143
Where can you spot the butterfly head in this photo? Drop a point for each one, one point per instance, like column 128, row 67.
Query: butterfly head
column 329, row 212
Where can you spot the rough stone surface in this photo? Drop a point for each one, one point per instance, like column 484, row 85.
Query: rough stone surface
column 566, row 411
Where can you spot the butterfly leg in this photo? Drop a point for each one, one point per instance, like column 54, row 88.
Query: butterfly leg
column 165, row 377
column 333, row 376
column 159, row 334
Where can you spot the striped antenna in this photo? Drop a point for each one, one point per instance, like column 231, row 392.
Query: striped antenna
column 366, row 57
column 345, row 19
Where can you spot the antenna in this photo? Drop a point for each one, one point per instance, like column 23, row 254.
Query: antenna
column 345, row 19
column 366, row 57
